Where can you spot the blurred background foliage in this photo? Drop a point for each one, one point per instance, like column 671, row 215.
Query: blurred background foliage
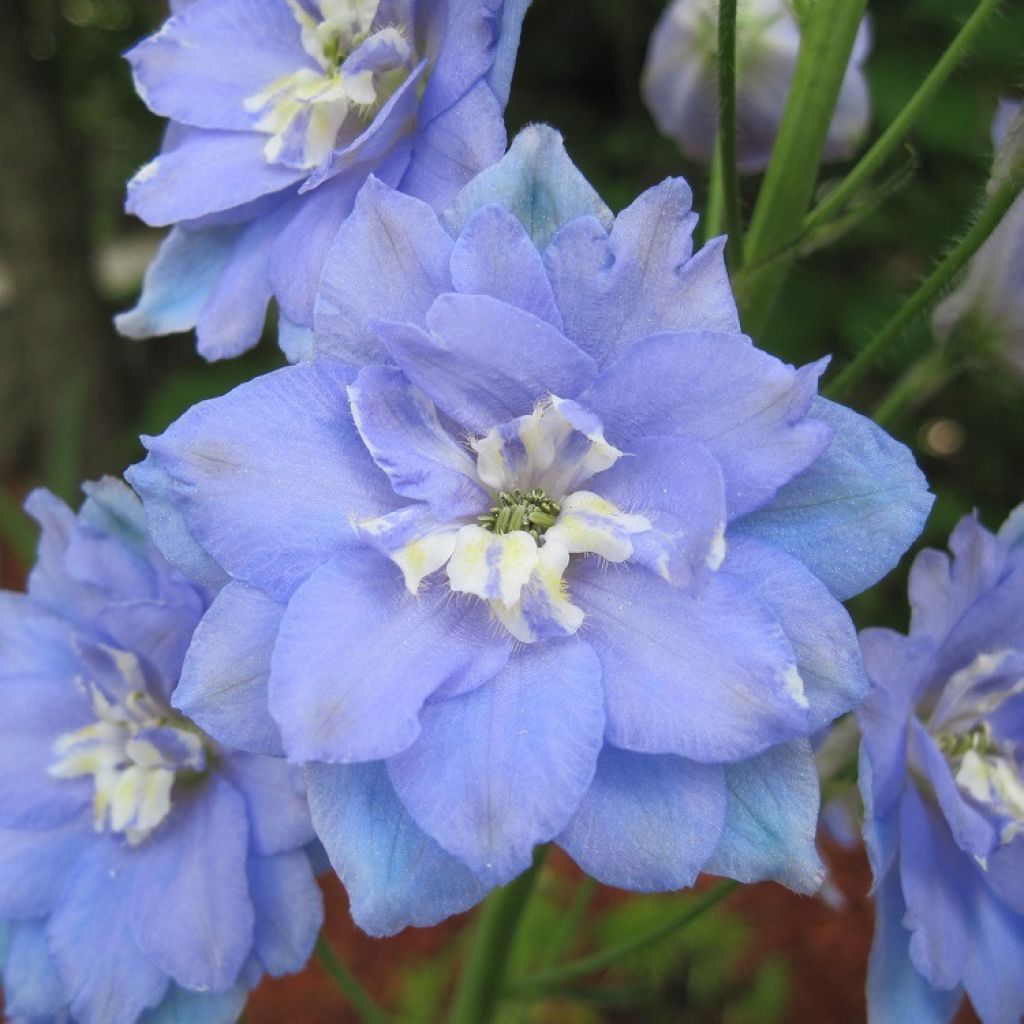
column 74, row 396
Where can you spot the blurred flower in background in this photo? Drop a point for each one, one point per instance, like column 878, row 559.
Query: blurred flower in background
column 941, row 774
column 278, row 113
column 680, row 82
column 985, row 313
column 142, row 865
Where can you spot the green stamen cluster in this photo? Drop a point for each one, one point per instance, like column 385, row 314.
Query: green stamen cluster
column 533, row 512
column 977, row 738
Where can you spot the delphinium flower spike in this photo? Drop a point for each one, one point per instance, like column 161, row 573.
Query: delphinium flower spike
column 538, row 547
column 278, row 111
column 147, row 872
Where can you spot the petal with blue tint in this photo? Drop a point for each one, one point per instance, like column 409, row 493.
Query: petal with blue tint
column 678, row 486
column 32, row 987
column 206, row 172
column 180, row 1006
column 485, row 362
column 590, row 524
column 203, row 65
column 389, row 260
column 400, row 428
column 358, row 655
column 493, row 566
column 224, row 679
column 641, row 278
column 745, row 406
column 395, row 874
column 275, row 800
column 545, row 609
column 268, row 475
column 495, row 256
column 502, row 769
column 180, row 281
column 709, row 677
column 853, row 513
column 648, row 821
column 771, row 820
column 95, row 912
column 289, row 910
column 190, row 908
column 537, row 182
column 828, row 655
column 35, row 864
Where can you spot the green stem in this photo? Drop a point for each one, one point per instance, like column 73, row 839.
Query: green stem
column 727, row 131
column 890, row 140
column 347, row 982
column 17, row 529
column 988, row 220
column 827, row 39
column 571, row 922
column 483, row 974
column 713, row 221
column 921, row 380
column 545, row 981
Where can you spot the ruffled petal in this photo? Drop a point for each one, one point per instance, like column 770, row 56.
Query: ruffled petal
column 32, row 987
column 502, row 769
column 289, row 910
column 35, row 864
column 648, row 821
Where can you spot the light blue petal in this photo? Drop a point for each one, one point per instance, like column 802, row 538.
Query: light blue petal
column 296, row 341
column 642, row 278
column 537, row 182
column 499, row 78
column 289, row 910
column 400, row 428
column 455, row 146
column 224, row 678
column 745, row 406
column 819, row 628
column 180, row 1006
column 275, row 800
column 34, row 865
column 501, row 769
column 180, row 281
column 850, row 516
column 395, row 874
column 389, row 260
column 771, row 820
column 525, row 359
column 268, row 475
column 709, row 676
column 648, row 821
column 201, row 67
column 32, row 987
column 206, row 172
column 896, row 991
column 191, row 913
column 678, row 486
column 495, row 256
column 358, row 655
column 108, row 978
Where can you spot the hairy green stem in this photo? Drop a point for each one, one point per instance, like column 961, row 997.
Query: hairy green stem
column 920, row 381
column 889, row 141
column 545, row 981
column 727, row 132
column 483, row 974
column 988, row 220
column 349, row 985
column 827, row 39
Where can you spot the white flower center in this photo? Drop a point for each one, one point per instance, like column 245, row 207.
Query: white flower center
column 135, row 750
column 305, row 113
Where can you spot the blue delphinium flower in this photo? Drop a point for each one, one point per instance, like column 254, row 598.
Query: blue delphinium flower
column 279, row 109
column 539, row 547
column 986, row 310
column 941, row 762
column 680, row 80
column 146, row 872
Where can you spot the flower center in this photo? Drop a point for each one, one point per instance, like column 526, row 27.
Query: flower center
column 136, row 751
column 532, row 512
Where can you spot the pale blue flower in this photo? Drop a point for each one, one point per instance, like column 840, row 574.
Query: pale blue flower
column 680, row 80
column 147, row 873
column 278, row 111
column 941, row 774
column 539, row 547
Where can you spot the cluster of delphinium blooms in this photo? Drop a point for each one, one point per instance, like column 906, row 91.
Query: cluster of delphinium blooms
column 529, row 544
